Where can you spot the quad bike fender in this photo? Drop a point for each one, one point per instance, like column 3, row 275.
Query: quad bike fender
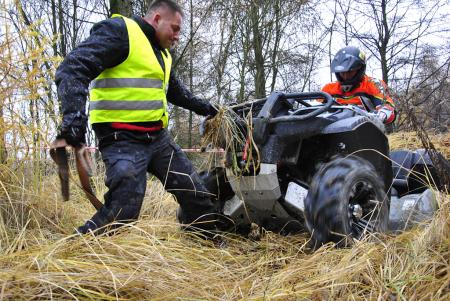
column 414, row 171
column 361, row 137
column 350, row 124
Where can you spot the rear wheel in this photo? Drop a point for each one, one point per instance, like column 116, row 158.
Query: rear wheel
column 346, row 201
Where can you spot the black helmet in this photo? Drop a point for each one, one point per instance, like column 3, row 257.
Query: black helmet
column 348, row 59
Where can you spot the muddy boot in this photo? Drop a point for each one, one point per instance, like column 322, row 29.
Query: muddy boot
column 204, row 226
column 86, row 228
column 224, row 223
column 208, row 226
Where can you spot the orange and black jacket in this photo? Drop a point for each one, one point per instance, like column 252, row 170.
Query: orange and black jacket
column 374, row 91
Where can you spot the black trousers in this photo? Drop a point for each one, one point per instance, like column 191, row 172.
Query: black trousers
column 128, row 157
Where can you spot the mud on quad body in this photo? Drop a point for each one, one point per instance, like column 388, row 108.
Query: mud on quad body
column 322, row 167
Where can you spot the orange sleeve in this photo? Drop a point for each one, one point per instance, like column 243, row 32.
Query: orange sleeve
column 380, row 90
column 328, row 88
column 325, row 88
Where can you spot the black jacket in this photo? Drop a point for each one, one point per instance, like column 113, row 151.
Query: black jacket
column 106, row 47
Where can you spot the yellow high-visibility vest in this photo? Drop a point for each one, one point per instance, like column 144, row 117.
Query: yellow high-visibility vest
column 135, row 90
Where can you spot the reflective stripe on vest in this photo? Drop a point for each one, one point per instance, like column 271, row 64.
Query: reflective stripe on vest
column 127, row 83
column 126, row 105
column 134, row 90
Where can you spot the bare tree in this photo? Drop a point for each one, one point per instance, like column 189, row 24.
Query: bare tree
column 386, row 29
column 428, row 94
column 54, row 37
column 263, row 34
column 191, row 66
column 122, row 7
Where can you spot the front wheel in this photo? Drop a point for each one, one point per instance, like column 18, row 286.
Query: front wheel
column 346, row 201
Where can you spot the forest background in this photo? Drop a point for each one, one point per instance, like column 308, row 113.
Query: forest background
column 232, row 51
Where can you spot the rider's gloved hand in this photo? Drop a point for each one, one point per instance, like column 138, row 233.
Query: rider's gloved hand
column 385, row 114
column 73, row 128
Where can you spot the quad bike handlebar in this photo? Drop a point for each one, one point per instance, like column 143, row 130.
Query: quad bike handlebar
column 300, row 98
column 278, row 102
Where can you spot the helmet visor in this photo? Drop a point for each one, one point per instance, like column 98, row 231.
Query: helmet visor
column 344, row 62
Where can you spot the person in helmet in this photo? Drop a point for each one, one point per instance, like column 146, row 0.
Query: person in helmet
column 354, row 87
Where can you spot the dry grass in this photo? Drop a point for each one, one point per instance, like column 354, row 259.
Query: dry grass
column 234, row 138
column 153, row 259
column 410, row 140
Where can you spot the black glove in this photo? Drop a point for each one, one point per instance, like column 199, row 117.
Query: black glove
column 73, row 128
column 212, row 111
column 201, row 127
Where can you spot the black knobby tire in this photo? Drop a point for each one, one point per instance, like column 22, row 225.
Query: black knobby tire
column 346, row 200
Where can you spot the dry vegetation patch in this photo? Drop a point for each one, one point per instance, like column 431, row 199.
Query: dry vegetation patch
column 153, row 259
column 410, row 140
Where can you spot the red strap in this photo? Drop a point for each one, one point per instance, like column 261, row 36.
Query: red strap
column 132, row 127
column 247, row 144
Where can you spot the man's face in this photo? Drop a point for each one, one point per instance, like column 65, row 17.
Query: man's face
column 167, row 25
column 348, row 75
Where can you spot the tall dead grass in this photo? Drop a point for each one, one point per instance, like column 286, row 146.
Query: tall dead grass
column 410, row 140
column 153, row 259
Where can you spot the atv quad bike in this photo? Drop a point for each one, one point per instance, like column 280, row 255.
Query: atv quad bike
column 322, row 167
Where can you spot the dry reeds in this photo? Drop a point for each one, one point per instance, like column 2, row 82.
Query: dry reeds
column 152, row 259
column 234, row 134
column 410, row 140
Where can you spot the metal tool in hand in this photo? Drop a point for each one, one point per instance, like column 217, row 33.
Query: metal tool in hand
column 58, row 152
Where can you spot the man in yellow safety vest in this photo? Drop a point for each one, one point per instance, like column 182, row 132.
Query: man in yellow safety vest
column 126, row 65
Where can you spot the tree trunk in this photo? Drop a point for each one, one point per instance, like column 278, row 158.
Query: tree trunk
column 3, row 151
column 54, row 27
column 62, row 34
column 191, row 66
column 260, row 78
column 122, row 7
column 277, row 33
column 243, row 67
column 74, row 23
column 384, row 43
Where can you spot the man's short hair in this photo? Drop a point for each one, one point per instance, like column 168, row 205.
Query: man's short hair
column 170, row 4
